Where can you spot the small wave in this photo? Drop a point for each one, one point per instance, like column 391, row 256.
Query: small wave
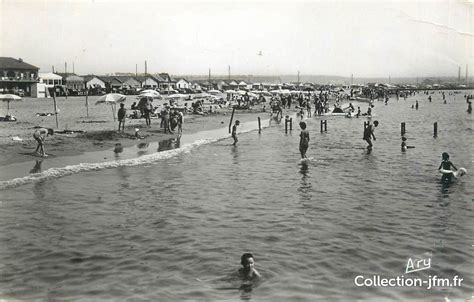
column 84, row 167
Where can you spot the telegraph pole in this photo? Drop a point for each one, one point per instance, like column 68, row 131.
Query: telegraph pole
column 209, row 87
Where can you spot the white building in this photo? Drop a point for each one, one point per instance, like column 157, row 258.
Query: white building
column 183, row 84
column 94, row 81
column 50, row 79
column 47, row 80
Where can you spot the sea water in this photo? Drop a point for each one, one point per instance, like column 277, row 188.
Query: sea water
column 172, row 225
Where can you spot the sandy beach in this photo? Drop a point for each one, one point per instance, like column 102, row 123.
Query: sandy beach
column 95, row 131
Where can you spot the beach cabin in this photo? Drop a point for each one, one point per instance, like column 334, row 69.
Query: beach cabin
column 17, row 76
column 149, row 81
column 223, row 85
column 195, row 86
column 183, row 84
column 92, row 81
column 242, row 85
column 112, row 83
column 234, row 84
column 73, row 83
column 168, row 82
column 129, row 82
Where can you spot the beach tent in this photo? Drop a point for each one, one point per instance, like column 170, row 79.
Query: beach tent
column 9, row 98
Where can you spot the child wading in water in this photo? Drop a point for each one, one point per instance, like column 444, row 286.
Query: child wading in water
column 446, row 164
column 248, row 271
column 40, row 135
column 234, row 132
column 404, row 144
column 304, row 140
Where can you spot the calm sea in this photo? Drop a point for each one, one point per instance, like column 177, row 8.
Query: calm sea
column 172, row 225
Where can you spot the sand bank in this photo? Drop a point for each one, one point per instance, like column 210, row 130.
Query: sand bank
column 97, row 131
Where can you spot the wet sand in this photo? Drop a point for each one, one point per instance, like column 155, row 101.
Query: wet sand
column 96, row 132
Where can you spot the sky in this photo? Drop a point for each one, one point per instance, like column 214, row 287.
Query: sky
column 363, row 38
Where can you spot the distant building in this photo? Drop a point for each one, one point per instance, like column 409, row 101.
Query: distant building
column 73, row 82
column 183, row 84
column 168, row 83
column 129, row 82
column 195, row 86
column 149, row 81
column 93, row 82
column 17, row 76
column 45, row 86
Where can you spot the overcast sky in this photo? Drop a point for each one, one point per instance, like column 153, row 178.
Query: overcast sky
column 367, row 39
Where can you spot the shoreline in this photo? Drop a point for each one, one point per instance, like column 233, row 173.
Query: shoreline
column 73, row 144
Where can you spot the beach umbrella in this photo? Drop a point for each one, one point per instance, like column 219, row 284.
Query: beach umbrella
column 150, row 93
column 9, row 98
column 177, row 96
column 201, row 95
column 155, row 95
column 214, row 91
column 111, row 99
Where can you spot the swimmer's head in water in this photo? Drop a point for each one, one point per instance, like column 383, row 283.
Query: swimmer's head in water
column 376, row 123
column 445, row 156
column 247, row 260
column 303, row 125
column 50, row 131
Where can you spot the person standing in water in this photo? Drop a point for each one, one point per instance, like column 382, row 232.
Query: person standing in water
column 446, row 164
column 248, row 271
column 369, row 134
column 234, row 132
column 40, row 135
column 304, row 140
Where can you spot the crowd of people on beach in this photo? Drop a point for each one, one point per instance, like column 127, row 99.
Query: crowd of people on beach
column 171, row 118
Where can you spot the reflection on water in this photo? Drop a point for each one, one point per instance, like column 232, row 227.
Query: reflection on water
column 37, row 167
column 168, row 144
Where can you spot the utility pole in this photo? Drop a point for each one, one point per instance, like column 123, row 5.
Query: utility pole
column 136, row 70
column 209, row 87
column 467, row 79
column 65, row 79
column 145, row 74
column 52, row 66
